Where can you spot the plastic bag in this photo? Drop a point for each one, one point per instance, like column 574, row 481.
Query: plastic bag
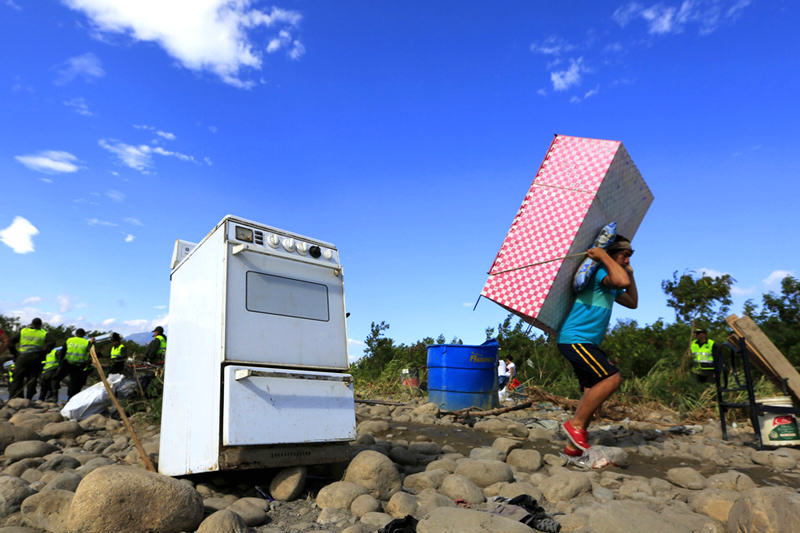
column 588, row 266
column 90, row 401
column 598, row 457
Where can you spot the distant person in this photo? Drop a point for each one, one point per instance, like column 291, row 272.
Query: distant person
column 584, row 329
column 3, row 342
column 76, row 363
column 118, row 354
column 502, row 374
column 511, row 368
column 704, row 353
column 157, row 348
column 28, row 348
column 48, row 390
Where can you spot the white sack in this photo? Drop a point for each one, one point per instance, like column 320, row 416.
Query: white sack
column 90, row 401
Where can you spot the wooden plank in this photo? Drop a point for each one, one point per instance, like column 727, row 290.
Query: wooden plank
column 756, row 356
column 770, row 353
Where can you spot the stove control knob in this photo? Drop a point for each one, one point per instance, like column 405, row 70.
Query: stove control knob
column 273, row 241
column 288, row 244
column 315, row 252
column 327, row 254
column 302, row 248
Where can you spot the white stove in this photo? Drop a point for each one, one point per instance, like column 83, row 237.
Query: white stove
column 255, row 371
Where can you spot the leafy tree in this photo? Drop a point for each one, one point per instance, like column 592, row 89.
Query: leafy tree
column 780, row 318
column 706, row 299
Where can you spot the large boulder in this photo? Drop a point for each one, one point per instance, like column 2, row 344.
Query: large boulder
column 430, row 479
column 457, row 520
column 10, row 433
column 564, row 484
column 252, row 510
column 401, row 504
column 129, row 499
column 224, row 521
column 288, row 483
column 686, row 477
column 525, row 460
column 485, row 472
column 458, row 487
column 339, row 495
column 765, row 510
column 375, row 472
column 636, row 516
column 69, row 429
column 47, row 510
column 715, row 503
column 28, row 448
column 13, row 492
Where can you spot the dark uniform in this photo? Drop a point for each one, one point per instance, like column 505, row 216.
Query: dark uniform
column 28, row 348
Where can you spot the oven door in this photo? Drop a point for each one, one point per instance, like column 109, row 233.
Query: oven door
column 284, row 312
column 277, row 406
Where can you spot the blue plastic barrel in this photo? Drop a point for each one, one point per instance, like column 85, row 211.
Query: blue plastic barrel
column 461, row 376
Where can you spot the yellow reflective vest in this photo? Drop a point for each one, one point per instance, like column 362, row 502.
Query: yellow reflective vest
column 703, row 355
column 77, row 350
column 51, row 361
column 162, row 349
column 116, row 351
column 31, row 340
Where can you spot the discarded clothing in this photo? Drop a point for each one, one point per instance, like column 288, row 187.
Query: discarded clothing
column 407, row 524
column 525, row 509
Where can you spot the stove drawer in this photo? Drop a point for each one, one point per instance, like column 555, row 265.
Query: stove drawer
column 277, row 406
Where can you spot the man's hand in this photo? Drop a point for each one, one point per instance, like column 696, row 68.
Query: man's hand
column 596, row 253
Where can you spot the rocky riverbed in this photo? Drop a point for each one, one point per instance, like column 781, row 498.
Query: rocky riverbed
column 409, row 459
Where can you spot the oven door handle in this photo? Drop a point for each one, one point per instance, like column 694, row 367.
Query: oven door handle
column 244, row 373
column 241, row 248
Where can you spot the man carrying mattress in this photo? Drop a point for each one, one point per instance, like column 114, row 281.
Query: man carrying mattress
column 584, row 329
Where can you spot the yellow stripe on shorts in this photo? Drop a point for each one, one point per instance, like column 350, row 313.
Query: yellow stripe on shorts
column 605, row 372
column 585, row 360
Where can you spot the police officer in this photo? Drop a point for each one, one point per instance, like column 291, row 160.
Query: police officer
column 158, row 346
column 48, row 390
column 28, row 349
column 76, row 362
column 117, row 354
column 703, row 352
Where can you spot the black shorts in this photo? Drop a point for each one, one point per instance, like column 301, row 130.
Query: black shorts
column 591, row 364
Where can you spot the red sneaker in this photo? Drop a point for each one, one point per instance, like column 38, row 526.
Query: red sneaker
column 572, row 453
column 579, row 437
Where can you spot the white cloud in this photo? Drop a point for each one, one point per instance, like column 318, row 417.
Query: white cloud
column 19, row 235
column 355, row 350
column 207, row 161
column 99, row 222
column 139, row 157
column 711, row 273
column 552, row 45
column 79, row 105
column 133, row 221
column 564, row 79
column 115, row 195
column 591, row 92
column 13, row 5
column 166, row 135
column 613, row 47
column 31, row 300
column 742, row 291
column 64, row 303
column 108, row 321
column 663, row 19
column 49, row 161
column 129, row 238
column 208, row 35
column 159, row 307
column 87, row 66
column 775, row 277
column 542, row 92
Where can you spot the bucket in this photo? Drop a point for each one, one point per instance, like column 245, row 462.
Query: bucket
column 778, row 429
column 461, row 376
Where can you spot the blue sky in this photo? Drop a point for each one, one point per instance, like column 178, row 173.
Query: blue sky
column 407, row 133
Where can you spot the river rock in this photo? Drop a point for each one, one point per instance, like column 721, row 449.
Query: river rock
column 765, row 510
column 48, row 509
column 373, row 427
column 563, row 484
column 505, row 445
column 13, row 492
column 93, row 422
column 223, row 521
column 60, row 463
column 457, row 520
column 17, row 468
column 686, row 477
column 93, row 464
column 288, row 483
column 502, row 426
column 252, row 510
column 19, row 403
column 430, row 479
column 512, row 490
column 493, row 454
column 637, row 516
column 374, row 471
column 458, row 487
column 130, row 499
column 28, row 448
column 10, row 433
column 444, row 464
column 401, row 504
column 425, row 448
column 715, row 503
column 69, row 429
column 428, row 409
column 429, row 499
column 401, row 455
column 31, row 475
column 484, row 472
column 340, row 494
column 525, row 460
column 375, row 520
column 364, row 504
column 730, row 480
column 63, row 481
